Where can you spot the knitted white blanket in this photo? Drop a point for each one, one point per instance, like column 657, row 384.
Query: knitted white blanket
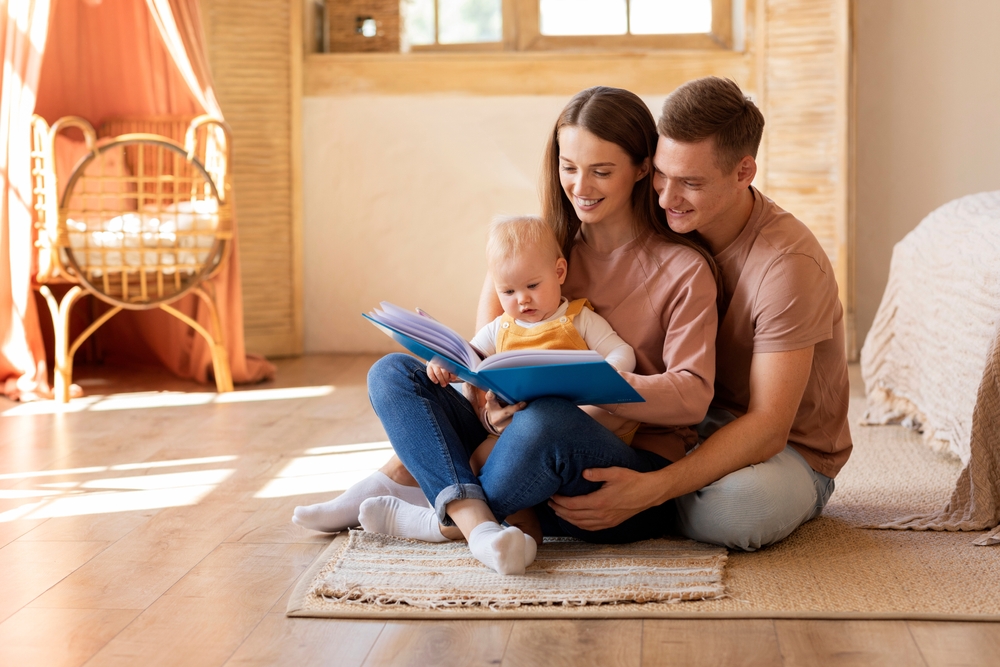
column 932, row 358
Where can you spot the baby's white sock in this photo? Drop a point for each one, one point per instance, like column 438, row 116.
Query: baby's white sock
column 392, row 516
column 342, row 512
column 530, row 550
column 500, row 549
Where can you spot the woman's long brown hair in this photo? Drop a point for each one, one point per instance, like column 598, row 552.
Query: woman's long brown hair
column 618, row 116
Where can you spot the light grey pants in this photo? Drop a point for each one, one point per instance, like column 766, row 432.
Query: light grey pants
column 757, row 505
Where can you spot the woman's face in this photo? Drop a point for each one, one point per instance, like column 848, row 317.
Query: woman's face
column 597, row 177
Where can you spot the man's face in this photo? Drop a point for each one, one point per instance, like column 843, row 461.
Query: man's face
column 694, row 191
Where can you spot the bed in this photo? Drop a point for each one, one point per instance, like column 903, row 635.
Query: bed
column 932, row 358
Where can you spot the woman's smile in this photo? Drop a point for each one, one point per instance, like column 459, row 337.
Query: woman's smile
column 586, row 204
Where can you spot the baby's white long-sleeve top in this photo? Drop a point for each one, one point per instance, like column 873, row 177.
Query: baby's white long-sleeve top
column 594, row 329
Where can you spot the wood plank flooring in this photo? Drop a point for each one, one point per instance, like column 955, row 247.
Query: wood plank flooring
column 148, row 524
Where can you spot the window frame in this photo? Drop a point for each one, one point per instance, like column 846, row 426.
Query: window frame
column 522, row 32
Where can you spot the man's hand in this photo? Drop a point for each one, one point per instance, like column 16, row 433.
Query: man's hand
column 625, row 493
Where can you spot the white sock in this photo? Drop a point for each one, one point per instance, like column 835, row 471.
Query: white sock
column 500, row 549
column 530, row 550
column 392, row 516
column 342, row 512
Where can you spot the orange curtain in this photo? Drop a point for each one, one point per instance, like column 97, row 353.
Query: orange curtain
column 180, row 28
column 23, row 29
column 128, row 58
column 179, row 23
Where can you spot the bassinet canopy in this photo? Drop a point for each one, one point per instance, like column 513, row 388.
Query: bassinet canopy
column 101, row 59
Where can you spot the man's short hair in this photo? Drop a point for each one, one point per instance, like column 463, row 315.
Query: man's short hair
column 714, row 107
column 510, row 236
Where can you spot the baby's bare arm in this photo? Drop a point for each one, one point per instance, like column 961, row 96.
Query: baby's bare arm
column 439, row 375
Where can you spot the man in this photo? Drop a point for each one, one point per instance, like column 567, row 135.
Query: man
column 777, row 432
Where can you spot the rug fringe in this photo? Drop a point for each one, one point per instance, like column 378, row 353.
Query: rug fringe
column 361, row 597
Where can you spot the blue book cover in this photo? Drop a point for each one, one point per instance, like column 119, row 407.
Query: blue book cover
column 580, row 376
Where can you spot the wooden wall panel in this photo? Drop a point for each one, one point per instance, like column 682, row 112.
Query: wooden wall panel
column 250, row 50
column 805, row 81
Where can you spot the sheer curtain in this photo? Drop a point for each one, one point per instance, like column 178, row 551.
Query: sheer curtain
column 23, row 30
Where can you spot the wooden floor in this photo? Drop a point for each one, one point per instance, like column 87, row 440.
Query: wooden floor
column 143, row 528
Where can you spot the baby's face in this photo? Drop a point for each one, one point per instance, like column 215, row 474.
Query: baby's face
column 530, row 285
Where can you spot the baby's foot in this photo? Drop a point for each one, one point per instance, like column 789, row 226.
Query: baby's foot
column 500, row 549
column 342, row 512
column 530, row 550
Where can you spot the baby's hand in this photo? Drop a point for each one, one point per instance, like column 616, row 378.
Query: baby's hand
column 439, row 375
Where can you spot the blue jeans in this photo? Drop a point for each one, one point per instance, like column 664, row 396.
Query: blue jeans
column 754, row 506
column 543, row 452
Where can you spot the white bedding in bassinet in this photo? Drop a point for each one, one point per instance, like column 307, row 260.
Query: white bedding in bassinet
column 177, row 238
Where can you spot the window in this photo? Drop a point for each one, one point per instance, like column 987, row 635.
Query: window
column 525, row 25
column 436, row 23
column 624, row 17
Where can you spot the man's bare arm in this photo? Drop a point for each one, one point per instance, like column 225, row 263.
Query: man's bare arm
column 777, row 382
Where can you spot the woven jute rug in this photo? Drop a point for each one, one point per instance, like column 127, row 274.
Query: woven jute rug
column 833, row 567
column 365, row 570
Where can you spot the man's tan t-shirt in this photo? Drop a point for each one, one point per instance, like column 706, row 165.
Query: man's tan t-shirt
column 780, row 295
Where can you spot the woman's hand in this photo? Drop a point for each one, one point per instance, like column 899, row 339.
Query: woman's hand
column 439, row 375
column 496, row 418
column 624, row 494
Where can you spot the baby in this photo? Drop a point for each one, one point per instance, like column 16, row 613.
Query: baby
column 528, row 270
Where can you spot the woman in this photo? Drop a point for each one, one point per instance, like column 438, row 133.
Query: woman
column 658, row 291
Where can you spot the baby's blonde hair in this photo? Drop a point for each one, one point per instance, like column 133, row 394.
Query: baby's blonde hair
column 509, row 236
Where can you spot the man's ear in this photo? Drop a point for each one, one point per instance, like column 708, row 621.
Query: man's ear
column 561, row 269
column 746, row 170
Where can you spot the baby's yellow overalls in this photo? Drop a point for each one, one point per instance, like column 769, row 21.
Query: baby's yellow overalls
column 556, row 334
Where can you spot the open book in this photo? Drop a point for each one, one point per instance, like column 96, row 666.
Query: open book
column 581, row 376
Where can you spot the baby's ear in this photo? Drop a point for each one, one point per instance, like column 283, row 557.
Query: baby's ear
column 561, row 269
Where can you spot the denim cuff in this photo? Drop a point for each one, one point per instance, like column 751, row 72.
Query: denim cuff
column 455, row 492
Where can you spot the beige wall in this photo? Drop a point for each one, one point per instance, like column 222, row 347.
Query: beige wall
column 398, row 193
column 928, row 121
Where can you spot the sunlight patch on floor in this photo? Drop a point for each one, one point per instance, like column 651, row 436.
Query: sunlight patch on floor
column 113, row 493
column 170, row 463
column 8, row 494
column 109, row 501
column 333, row 468
column 170, row 480
column 163, row 399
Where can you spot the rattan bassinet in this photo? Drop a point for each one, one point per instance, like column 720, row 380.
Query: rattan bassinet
column 140, row 221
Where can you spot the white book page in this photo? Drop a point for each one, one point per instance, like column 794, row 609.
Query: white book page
column 416, row 326
column 430, row 332
column 439, row 337
column 520, row 358
column 421, row 337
